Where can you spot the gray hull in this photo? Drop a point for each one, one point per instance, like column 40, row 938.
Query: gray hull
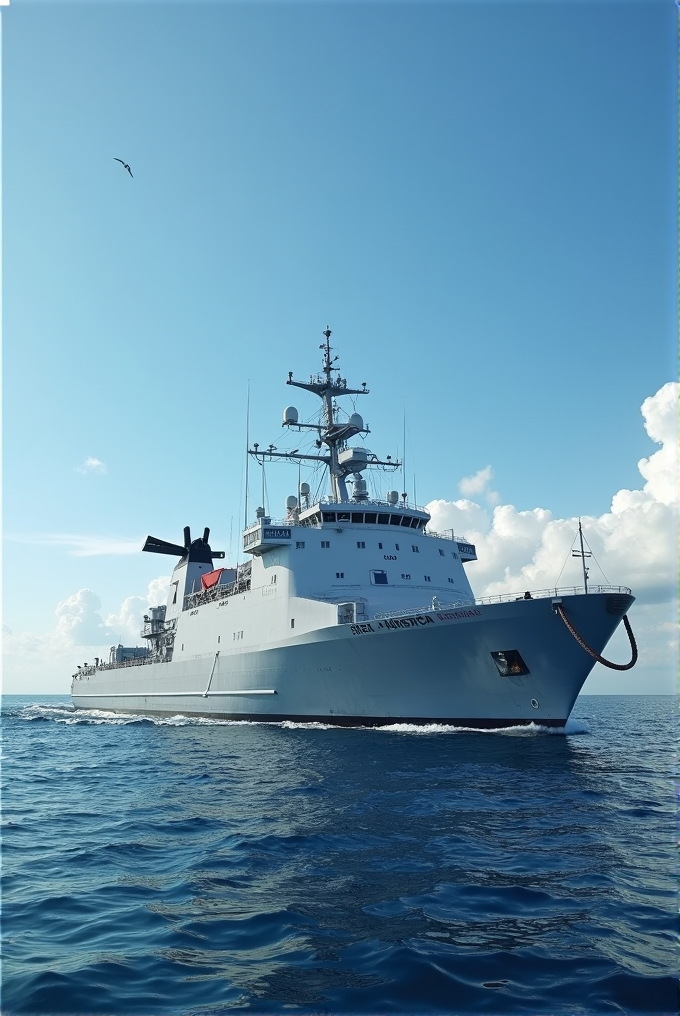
column 436, row 668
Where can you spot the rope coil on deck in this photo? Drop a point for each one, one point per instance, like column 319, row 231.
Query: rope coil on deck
column 600, row 659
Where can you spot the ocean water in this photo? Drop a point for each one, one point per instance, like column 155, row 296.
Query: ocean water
column 176, row 866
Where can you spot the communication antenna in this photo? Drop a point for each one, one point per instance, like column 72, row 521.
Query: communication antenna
column 245, row 514
column 583, row 554
column 403, row 457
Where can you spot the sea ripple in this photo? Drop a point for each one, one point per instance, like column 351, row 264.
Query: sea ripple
column 180, row 866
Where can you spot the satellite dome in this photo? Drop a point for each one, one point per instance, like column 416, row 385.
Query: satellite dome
column 290, row 415
column 356, row 420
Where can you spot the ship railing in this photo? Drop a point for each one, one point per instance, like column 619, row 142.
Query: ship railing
column 91, row 669
column 540, row 594
column 329, row 502
column 217, row 592
column 290, row 520
column 448, row 534
column 357, row 502
column 535, row 594
column 430, row 608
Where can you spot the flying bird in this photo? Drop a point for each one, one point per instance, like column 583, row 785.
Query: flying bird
column 124, row 165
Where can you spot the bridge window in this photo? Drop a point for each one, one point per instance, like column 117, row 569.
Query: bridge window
column 343, row 516
column 406, row 520
column 329, row 516
column 370, row 518
column 383, row 520
column 395, row 520
column 357, row 517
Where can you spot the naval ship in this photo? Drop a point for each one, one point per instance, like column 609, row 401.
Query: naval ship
column 351, row 610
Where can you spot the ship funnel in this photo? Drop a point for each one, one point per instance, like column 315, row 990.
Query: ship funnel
column 187, row 537
column 206, row 534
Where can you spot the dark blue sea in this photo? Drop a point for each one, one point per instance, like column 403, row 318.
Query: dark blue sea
column 175, row 866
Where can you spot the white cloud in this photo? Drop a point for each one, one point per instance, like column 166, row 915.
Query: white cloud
column 79, row 622
column 127, row 621
column 634, row 543
column 45, row 662
column 92, row 465
column 475, row 484
column 83, row 546
column 478, row 483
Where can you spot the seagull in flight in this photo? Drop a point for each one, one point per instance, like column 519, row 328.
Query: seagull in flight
column 124, row 165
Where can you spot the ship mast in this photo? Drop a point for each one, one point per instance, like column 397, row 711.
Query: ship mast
column 583, row 554
column 332, row 431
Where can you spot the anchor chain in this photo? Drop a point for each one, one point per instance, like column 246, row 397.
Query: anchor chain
column 600, row 659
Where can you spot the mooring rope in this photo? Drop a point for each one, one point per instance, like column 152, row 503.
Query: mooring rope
column 600, row 659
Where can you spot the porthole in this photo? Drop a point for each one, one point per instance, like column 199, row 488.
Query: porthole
column 534, row 703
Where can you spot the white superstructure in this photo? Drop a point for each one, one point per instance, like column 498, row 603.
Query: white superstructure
column 350, row 610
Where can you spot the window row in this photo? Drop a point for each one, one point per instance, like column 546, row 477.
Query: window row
column 375, row 519
column 361, row 545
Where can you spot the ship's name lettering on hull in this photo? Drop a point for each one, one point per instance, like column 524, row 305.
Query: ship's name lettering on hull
column 362, row 629
column 406, row 622
column 458, row 614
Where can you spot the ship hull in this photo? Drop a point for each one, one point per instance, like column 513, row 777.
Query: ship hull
column 435, row 667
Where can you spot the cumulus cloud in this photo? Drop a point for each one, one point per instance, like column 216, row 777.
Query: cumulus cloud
column 633, row 544
column 92, row 465
column 478, row 483
column 46, row 661
column 79, row 622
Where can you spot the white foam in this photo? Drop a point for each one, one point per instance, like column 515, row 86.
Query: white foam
column 68, row 715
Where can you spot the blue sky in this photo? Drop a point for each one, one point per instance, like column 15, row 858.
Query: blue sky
column 479, row 198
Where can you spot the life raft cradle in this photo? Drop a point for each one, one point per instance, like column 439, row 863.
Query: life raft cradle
column 559, row 609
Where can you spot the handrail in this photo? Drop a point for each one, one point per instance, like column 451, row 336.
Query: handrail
column 447, row 535
column 328, row 503
column 91, row 669
column 407, row 611
column 538, row 594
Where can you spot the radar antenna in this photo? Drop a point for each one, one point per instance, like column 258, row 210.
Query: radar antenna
column 333, row 432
